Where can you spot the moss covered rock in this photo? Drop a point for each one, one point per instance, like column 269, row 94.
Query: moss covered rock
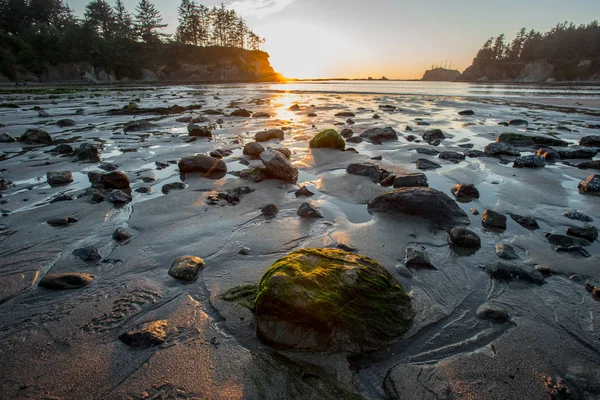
column 330, row 300
column 329, row 139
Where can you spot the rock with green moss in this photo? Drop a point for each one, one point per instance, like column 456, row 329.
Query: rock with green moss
column 329, row 139
column 330, row 300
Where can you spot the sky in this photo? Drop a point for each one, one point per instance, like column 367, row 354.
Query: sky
column 398, row 39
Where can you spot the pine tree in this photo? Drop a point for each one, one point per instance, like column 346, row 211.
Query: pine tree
column 101, row 17
column 123, row 21
column 148, row 20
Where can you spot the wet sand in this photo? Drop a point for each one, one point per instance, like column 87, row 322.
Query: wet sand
column 64, row 344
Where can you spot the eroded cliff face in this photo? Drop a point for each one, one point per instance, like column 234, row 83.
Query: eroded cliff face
column 165, row 64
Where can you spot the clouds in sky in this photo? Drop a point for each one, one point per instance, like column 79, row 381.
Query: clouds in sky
column 259, row 8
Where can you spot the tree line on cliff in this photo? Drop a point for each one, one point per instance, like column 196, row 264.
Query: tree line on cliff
column 34, row 33
column 573, row 50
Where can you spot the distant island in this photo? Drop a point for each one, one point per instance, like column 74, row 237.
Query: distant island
column 441, row 75
column 45, row 42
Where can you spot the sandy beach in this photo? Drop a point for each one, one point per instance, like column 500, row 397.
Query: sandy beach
column 540, row 338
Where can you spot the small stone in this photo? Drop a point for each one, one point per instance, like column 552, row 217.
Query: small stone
column 369, row 170
column 417, row 257
column 590, row 186
column 427, row 151
column 118, row 196
column 345, row 247
column 505, row 272
column 532, row 161
column 147, row 335
column 303, row 191
column 269, row 134
column 506, row 251
column 253, row 149
column 144, row 190
column 433, row 136
column 97, row 196
column 566, row 241
column 451, row 156
column 493, row 313
column 425, row 165
column 261, row 115
column 66, row 281
column 308, row 211
column 474, row 211
column 63, row 123
column 108, row 167
column 122, row 234
column 589, row 233
column 346, row 133
column 36, row 136
column 466, row 112
column 576, row 215
column 345, row 114
column 417, row 179
column 526, row 222
column 241, row 113
column 270, row 210
column 244, row 251
column 186, row 268
column 6, row 138
column 198, row 131
column 64, row 221
column 463, row 237
column 59, row 177
column 465, row 191
column 494, row 220
column 166, row 189
column 88, row 254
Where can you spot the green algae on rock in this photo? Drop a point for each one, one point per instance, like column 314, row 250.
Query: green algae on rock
column 328, row 138
column 330, row 300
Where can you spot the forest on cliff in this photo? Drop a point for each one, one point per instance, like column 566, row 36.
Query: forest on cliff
column 37, row 33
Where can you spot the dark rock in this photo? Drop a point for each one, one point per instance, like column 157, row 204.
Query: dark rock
column 506, row 251
column 97, row 196
column 590, row 141
column 210, row 167
column 36, row 136
column 312, row 114
column 466, row 112
column 465, row 191
column 241, row 113
column 590, row 186
column 526, row 222
column 144, row 190
column 451, row 156
column 269, row 134
column 59, row 177
column 424, row 164
column 427, row 151
column 114, row 180
column 420, row 202
column 369, row 170
column 278, row 167
column 62, row 148
column 589, row 232
column 122, row 234
column 233, row 196
column 577, row 153
column 147, row 335
column 358, row 307
column 466, row 146
column 118, row 196
column 6, row 138
column 518, row 122
column 198, row 131
column 345, row 247
column 303, row 191
column 433, row 135
column 566, row 241
column 594, row 164
column 193, row 120
column 463, row 237
column 577, row 216
column 496, row 149
column 345, row 114
column 261, row 115
column 66, row 281
column 166, row 189
column 417, row 257
column 548, row 154
column 411, row 180
column 328, row 138
column 573, row 250
column 88, row 152
column 493, row 219
column 186, row 268
column 505, row 272
column 308, row 211
column 354, row 139
column 388, row 181
column 474, row 154
column 493, row 313
column 88, row 254
column 137, row 126
column 253, row 149
column 253, row 174
column 516, row 139
column 532, row 161
column 63, row 123
column 220, row 153
column 349, row 121
column 380, row 134
column 63, row 221
column 346, row 133
column 294, row 107
column 108, row 167
column 375, row 116
column 270, row 210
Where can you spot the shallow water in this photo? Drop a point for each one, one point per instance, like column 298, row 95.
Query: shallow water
column 67, row 342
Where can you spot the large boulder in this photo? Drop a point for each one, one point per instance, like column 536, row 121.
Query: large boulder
column 380, row 134
column 420, row 202
column 329, row 139
column 433, row 136
column 278, row 166
column 211, row 167
column 590, row 186
column 114, row 180
column 329, row 299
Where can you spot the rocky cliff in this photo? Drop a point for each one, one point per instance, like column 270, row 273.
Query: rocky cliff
column 164, row 63
column 441, row 75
